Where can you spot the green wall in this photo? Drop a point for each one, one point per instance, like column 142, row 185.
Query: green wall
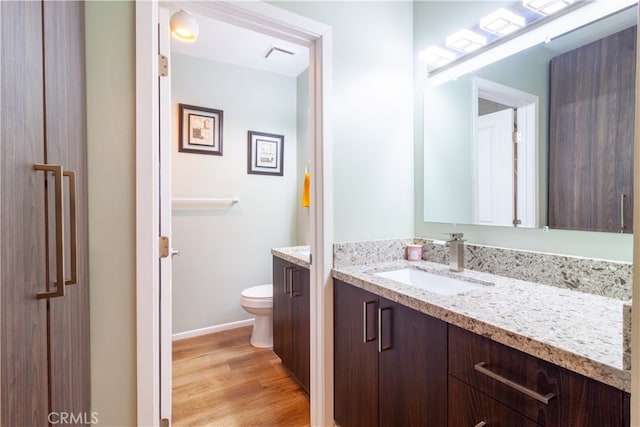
column 371, row 115
column 110, row 56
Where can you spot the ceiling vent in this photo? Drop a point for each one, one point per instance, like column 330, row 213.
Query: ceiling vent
column 278, row 51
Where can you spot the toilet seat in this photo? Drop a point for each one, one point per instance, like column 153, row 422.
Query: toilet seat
column 261, row 291
column 257, row 297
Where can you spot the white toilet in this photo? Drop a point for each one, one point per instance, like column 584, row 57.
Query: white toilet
column 258, row 301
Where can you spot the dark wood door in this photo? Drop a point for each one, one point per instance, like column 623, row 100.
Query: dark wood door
column 282, row 325
column 355, row 356
column 64, row 63
column 44, row 342
column 412, row 367
column 591, row 131
column 23, row 325
column 301, row 326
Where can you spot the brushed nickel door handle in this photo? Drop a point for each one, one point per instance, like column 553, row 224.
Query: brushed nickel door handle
column 382, row 347
column 481, row 367
column 59, row 227
column 365, row 323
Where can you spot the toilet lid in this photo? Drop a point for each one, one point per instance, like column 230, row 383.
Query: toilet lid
column 262, row 291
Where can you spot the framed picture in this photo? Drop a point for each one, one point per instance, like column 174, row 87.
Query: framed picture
column 265, row 153
column 200, row 130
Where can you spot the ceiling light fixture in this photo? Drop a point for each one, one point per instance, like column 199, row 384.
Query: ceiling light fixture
column 546, row 7
column 502, row 22
column 465, row 41
column 183, row 26
column 436, row 57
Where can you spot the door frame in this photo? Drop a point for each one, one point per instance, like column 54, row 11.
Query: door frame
column 268, row 19
column 528, row 152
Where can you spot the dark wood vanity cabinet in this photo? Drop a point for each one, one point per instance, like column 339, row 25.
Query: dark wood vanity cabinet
column 501, row 386
column 291, row 322
column 390, row 364
column 591, row 135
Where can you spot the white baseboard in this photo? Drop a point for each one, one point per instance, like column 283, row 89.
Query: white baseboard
column 211, row 329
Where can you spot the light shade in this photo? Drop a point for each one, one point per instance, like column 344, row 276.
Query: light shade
column 183, row 26
column 436, row 57
column 502, row 22
column 465, row 41
column 546, row 7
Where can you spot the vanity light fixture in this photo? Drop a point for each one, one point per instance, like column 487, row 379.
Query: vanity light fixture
column 546, row 7
column 436, row 57
column 183, row 26
column 502, row 22
column 465, row 41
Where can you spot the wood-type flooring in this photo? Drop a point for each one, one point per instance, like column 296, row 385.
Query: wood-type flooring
column 219, row 379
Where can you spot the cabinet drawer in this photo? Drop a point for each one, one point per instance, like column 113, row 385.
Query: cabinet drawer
column 524, row 383
column 469, row 407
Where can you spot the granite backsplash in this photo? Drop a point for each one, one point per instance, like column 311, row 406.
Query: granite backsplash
column 600, row 277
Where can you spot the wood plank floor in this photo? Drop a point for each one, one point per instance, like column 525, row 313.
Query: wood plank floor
column 221, row 380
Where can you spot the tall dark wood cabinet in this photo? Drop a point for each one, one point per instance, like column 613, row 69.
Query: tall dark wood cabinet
column 44, row 295
column 591, row 130
column 390, row 362
column 291, row 321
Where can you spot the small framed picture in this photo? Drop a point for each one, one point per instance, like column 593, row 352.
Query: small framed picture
column 200, row 130
column 265, row 153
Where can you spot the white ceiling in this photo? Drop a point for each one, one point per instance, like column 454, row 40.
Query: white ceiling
column 219, row 41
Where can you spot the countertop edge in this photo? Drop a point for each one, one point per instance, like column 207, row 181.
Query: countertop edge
column 610, row 375
column 298, row 255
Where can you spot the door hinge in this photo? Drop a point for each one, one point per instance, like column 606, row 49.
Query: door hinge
column 163, row 66
column 517, row 137
column 164, row 247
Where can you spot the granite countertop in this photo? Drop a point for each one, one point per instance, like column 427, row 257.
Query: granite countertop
column 299, row 255
column 578, row 331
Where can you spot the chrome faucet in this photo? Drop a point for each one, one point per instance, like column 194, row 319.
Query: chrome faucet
column 456, row 252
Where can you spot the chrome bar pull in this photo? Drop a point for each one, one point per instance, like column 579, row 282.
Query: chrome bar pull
column 287, row 280
column 481, row 367
column 481, row 424
column 382, row 347
column 365, row 323
column 59, row 226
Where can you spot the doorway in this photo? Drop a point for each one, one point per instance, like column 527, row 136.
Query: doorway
column 505, row 153
column 151, row 278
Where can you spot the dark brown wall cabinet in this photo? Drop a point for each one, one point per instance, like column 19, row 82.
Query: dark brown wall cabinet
column 44, row 309
column 591, row 129
column 291, row 321
column 496, row 385
column 390, row 362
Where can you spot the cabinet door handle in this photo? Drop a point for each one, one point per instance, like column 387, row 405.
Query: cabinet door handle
column 481, row 424
column 622, row 195
column 365, row 321
column 60, row 264
column 73, row 232
column 287, row 281
column 481, row 367
column 382, row 347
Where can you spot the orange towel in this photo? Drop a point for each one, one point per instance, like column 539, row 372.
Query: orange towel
column 306, row 196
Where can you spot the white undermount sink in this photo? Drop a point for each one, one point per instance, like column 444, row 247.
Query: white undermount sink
column 436, row 283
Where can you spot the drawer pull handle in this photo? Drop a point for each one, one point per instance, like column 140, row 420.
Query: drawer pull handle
column 480, row 367
column 480, row 424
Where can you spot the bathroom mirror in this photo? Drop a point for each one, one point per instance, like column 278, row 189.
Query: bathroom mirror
column 468, row 177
